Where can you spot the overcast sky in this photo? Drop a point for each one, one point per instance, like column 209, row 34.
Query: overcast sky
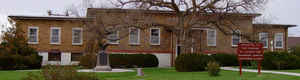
column 280, row 11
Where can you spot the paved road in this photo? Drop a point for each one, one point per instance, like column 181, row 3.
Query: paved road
column 263, row 71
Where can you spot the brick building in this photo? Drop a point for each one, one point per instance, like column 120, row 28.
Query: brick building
column 60, row 40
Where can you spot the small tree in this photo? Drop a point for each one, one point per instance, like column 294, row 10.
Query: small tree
column 15, row 50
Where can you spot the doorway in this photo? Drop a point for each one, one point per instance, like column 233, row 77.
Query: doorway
column 178, row 50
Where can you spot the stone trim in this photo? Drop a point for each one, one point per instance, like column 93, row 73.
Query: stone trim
column 140, row 51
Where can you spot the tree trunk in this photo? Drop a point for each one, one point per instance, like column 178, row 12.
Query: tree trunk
column 182, row 33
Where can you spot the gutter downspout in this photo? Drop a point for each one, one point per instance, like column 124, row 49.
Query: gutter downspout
column 172, row 50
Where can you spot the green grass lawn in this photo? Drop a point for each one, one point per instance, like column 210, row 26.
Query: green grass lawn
column 167, row 74
column 294, row 71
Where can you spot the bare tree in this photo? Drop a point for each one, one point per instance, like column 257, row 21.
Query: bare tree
column 101, row 27
column 219, row 13
column 80, row 10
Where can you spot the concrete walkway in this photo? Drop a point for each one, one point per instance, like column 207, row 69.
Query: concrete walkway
column 91, row 70
column 263, row 71
column 113, row 70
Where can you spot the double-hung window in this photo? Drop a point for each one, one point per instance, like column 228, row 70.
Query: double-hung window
column 155, row 36
column 134, row 36
column 77, row 36
column 75, row 56
column 236, row 38
column 211, row 37
column 54, row 56
column 278, row 40
column 113, row 37
column 55, row 35
column 33, row 35
column 263, row 38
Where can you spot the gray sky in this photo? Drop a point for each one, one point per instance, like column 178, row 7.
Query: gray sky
column 280, row 11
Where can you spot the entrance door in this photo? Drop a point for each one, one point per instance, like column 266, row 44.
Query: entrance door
column 178, row 50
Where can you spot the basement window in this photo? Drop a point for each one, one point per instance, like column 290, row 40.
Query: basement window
column 75, row 56
column 54, row 56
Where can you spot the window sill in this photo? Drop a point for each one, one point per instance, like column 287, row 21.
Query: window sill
column 55, row 43
column 114, row 43
column 54, row 61
column 234, row 46
column 134, row 44
column 33, row 42
column 212, row 46
column 76, row 44
column 278, row 47
column 155, row 44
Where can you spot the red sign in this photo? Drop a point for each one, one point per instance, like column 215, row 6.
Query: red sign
column 250, row 51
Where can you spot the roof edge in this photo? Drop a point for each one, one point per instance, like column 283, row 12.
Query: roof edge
column 275, row 25
column 24, row 17
column 163, row 11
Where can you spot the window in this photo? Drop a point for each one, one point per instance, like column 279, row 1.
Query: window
column 77, row 36
column 33, row 35
column 211, row 37
column 278, row 40
column 54, row 56
column 155, row 36
column 236, row 38
column 113, row 37
column 75, row 56
column 134, row 36
column 55, row 35
column 263, row 38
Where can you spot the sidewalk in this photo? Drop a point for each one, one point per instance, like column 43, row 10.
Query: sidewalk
column 263, row 71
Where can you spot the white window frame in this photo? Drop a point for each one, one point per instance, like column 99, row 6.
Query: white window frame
column 158, row 36
column 81, row 34
column 117, row 42
column 239, row 35
column 260, row 36
column 37, row 35
column 215, row 38
column 131, row 35
column 275, row 40
column 59, row 35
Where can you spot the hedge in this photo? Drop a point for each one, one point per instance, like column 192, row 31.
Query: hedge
column 280, row 60
column 192, row 62
column 133, row 60
column 226, row 59
column 88, row 60
column 295, row 50
column 16, row 62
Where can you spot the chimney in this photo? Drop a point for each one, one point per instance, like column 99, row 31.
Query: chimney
column 49, row 12
column 67, row 13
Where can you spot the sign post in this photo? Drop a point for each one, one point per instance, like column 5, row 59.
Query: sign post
column 250, row 52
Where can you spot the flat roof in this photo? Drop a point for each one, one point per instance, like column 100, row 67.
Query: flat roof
column 274, row 25
column 23, row 17
column 119, row 10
